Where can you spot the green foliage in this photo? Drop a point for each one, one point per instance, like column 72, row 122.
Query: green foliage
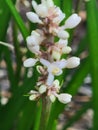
column 20, row 113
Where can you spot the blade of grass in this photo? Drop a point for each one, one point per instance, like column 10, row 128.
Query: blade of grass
column 5, row 17
column 26, row 120
column 92, row 24
column 17, row 18
column 16, row 103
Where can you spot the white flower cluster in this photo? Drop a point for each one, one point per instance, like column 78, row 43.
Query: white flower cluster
column 47, row 52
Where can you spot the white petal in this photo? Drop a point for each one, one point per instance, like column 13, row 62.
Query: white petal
column 50, row 79
column 72, row 21
column 33, row 17
column 73, row 62
column 61, row 64
column 32, row 40
column 34, row 4
column 64, row 98
column 30, row 62
column 63, row 34
column 45, row 62
column 32, row 97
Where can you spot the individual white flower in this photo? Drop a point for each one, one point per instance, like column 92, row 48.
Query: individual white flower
column 64, row 98
column 30, row 62
column 34, row 40
column 72, row 21
column 54, row 69
column 33, row 17
column 72, row 62
column 41, row 9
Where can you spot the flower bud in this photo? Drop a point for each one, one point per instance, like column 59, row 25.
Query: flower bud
column 64, row 98
column 52, row 98
column 32, row 97
column 56, row 55
column 33, row 17
column 66, row 50
column 72, row 21
column 30, row 62
column 42, row 89
column 72, row 62
column 63, row 34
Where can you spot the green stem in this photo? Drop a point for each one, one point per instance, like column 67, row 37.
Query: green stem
column 46, row 105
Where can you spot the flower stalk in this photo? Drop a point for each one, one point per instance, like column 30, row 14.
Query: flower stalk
column 46, row 107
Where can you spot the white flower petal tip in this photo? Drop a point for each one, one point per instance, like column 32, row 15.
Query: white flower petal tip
column 52, row 98
column 64, row 98
column 63, row 34
column 50, row 3
column 30, row 62
column 73, row 62
column 33, row 17
column 42, row 89
column 72, row 21
column 32, row 97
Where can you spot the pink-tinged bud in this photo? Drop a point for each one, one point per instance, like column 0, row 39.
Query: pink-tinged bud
column 33, row 17
column 72, row 21
column 72, row 62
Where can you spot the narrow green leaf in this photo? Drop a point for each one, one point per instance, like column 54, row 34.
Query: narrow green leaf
column 92, row 26
column 17, row 18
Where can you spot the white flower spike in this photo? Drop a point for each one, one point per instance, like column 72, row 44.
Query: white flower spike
column 48, row 51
